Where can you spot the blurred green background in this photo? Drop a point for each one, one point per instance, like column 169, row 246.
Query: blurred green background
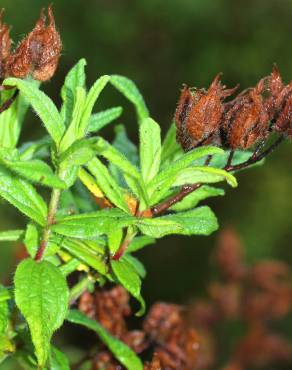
column 160, row 45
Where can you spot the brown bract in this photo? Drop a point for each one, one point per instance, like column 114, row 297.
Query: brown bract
column 38, row 54
column 199, row 114
column 5, row 44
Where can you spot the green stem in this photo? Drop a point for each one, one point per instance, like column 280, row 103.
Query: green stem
column 80, row 288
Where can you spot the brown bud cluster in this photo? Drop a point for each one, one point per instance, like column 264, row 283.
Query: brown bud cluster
column 37, row 54
column 205, row 117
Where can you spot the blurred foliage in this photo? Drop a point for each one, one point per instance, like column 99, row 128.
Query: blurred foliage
column 160, row 45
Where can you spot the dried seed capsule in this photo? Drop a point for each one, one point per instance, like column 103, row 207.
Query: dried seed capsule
column 38, row 54
column 5, row 43
column 284, row 121
column 199, row 114
column 247, row 122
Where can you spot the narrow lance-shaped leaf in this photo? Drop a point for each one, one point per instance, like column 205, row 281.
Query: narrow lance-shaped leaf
column 58, row 360
column 41, row 294
column 192, row 200
column 11, row 120
column 99, row 120
column 79, row 153
column 126, row 275
column 205, row 175
column 185, row 161
column 107, row 184
column 91, row 225
column 43, row 106
column 75, row 78
column 200, row 221
column 11, row 235
column 92, row 96
column 125, row 355
column 23, row 196
column 85, row 254
column 169, row 145
column 72, row 132
column 150, row 149
column 131, row 92
column 35, row 171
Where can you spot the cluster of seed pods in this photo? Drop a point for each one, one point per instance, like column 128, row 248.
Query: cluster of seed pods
column 205, row 117
column 36, row 55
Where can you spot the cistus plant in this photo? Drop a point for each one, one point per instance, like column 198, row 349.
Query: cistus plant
column 90, row 204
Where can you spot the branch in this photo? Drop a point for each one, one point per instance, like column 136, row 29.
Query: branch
column 188, row 189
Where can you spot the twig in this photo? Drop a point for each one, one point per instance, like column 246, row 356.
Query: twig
column 9, row 102
column 53, row 207
column 188, row 189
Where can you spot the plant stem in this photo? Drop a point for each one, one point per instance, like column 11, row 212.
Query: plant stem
column 53, row 207
column 123, row 247
column 79, row 289
column 188, row 189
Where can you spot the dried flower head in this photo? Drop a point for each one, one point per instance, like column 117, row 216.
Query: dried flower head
column 5, row 43
column 38, row 54
column 199, row 114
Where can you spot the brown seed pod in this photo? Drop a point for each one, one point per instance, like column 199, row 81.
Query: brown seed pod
column 246, row 122
column 199, row 114
column 38, row 54
column 5, row 43
column 284, row 120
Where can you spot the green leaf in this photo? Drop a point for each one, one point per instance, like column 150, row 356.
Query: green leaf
column 23, row 196
column 114, row 240
column 4, row 315
column 91, row 225
column 58, row 360
column 11, row 120
column 205, row 175
column 79, row 153
column 128, row 277
column 35, row 171
column 11, row 235
column 92, row 96
column 170, row 146
column 31, row 239
column 41, row 294
column 158, row 227
column 130, row 91
column 124, row 145
column 107, row 184
column 86, row 252
column 122, row 352
column 200, row 221
column 117, row 158
column 183, row 162
column 140, row 242
column 35, row 149
column 99, row 120
column 150, row 149
column 192, row 200
column 72, row 132
column 75, row 78
column 136, row 264
column 43, row 106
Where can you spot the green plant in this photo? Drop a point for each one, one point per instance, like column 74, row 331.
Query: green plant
column 103, row 207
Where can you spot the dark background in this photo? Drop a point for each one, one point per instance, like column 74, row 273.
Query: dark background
column 160, row 45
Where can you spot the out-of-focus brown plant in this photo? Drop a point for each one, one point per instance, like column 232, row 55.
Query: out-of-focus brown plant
column 186, row 338
column 253, row 295
column 165, row 333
